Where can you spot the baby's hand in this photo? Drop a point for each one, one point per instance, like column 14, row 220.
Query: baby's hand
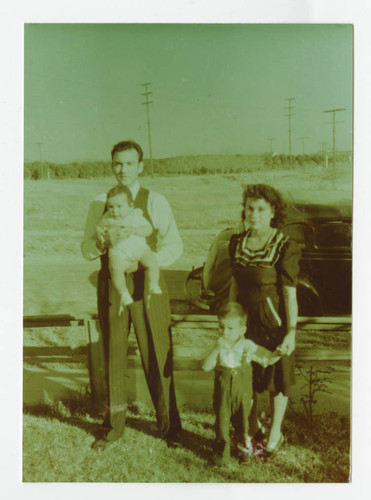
column 117, row 234
column 125, row 232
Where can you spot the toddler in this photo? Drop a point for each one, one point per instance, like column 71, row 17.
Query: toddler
column 124, row 223
column 231, row 357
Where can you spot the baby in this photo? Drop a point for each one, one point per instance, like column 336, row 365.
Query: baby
column 231, row 357
column 124, row 223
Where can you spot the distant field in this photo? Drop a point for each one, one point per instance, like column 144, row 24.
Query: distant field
column 55, row 213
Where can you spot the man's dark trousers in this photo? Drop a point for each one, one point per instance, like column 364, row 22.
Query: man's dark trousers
column 151, row 321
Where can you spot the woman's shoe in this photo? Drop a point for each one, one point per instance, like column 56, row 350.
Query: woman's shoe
column 272, row 450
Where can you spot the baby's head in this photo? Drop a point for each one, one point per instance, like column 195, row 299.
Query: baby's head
column 232, row 322
column 119, row 201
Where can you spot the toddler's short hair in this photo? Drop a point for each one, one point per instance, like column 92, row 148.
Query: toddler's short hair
column 120, row 189
column 233, row 310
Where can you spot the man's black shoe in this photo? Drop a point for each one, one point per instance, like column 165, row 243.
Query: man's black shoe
column 100, row 444
column 174, row 441
column 102, row 441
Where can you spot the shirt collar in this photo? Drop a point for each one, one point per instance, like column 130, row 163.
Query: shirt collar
column 134, row 189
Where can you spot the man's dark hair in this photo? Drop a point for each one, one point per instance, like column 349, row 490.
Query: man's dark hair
column 120, row 189
column 271, row 196
column 125, row 145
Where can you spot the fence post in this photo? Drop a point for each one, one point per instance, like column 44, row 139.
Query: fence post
column 97, row 369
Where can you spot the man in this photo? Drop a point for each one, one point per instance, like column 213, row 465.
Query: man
column 150, row 317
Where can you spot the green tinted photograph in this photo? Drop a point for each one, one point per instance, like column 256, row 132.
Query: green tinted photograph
column 217, row 349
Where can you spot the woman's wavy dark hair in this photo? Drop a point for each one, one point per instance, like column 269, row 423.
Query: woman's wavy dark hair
column 271, row 196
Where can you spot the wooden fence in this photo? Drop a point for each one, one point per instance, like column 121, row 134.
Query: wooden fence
column 185, row 357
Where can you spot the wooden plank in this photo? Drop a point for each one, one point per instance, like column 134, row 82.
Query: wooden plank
column 178, row 320
column 53, row 320
column 194, row 317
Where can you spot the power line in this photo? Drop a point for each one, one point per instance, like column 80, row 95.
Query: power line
column 147, row 103
column 289, row 107
column 333, row 111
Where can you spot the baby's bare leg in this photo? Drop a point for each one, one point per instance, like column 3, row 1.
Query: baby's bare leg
column 118, row 267
column 149, row 261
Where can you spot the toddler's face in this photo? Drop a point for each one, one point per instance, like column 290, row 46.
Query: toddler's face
column 231, row 329
column 118, row 206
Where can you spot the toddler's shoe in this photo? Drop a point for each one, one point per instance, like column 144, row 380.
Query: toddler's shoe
column 245, row 450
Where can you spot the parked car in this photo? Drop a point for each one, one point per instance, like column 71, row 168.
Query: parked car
column 324, row 234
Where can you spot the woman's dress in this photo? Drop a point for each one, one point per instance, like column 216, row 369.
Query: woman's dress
column 261, row 276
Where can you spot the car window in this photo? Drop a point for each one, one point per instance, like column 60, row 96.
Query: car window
column 299, row 232
column 333, row 234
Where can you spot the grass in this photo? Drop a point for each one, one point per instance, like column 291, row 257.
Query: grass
column 58, row 437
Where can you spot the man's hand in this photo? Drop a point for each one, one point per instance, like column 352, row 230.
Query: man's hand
column 101, row 239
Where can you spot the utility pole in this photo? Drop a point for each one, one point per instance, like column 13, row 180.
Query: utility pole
column 333, row 111
column 302, row 139
column 147, row 103
column 271, row 139
column 324, row 151
column 41, row 161
column 289, row 107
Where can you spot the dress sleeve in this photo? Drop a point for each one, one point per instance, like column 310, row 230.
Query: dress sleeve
column 288, row 265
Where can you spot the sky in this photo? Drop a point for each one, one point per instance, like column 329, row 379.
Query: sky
column 216, row 88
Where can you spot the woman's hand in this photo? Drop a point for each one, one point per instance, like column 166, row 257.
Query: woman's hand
column 288, row 344
column 291, row 307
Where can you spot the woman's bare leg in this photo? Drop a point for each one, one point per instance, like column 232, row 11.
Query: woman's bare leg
column 278, row 409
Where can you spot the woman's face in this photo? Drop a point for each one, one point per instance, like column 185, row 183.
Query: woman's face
column 258, row 213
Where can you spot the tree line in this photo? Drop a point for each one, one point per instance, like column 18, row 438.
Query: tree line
column 187, row 165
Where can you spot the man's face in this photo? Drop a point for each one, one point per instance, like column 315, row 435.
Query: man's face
column 126, row 167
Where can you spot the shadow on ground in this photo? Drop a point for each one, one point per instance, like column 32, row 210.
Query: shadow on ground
column 80, row 413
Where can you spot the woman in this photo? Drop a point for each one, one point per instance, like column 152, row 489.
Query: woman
column 265, row 265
